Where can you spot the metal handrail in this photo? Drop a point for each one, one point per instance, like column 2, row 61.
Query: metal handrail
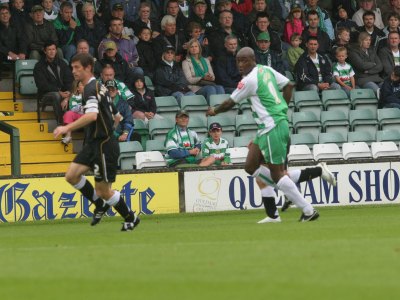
column 14, row 149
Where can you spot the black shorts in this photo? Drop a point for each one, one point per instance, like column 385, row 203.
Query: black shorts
column 102, row 157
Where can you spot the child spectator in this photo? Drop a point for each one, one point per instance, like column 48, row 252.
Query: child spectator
column 343, row 40
column 50, row 13
column 19, row 16
column 343, row 72
column 196, row 32
column 214, row 148
column 143, row 104
column 75, row 109
column 145, row 50
column 393, row 22
column 346, row 22
column 295, row 51
column 295, row 23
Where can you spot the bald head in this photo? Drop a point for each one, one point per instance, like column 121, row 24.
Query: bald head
column 246, row 52
column 245, row 60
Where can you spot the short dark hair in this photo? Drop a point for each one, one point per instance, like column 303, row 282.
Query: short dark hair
column 4, row 7
column 115, row 19
column 84, row 58
column 393, row 14
column 65, row 4
column 262, row 14
column 368, row 13
column 48, row 44
column 312, row 38
column 312, row 12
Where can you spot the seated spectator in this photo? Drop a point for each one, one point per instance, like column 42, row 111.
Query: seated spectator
column 325, row 23
column 131, row 8
column 262, row 25
column 349, row 6
column 243, row 6
column 124, row 130
column 225, row 68
column 368, row 5
column 182, row 144
column 199, row 73
column 92, row 29
column 195, row 32
column 143, row 103
column 144, row 20
column 286, row 6
column 390, row 55
column 169, row 36
column 312, row 30
column 200, row 15
column 180, row 20
column 66, row 26
column 50, row 14
column 216, row 36
column 53, row 79
column 19, row 16
column 313, row 70
column 366, row 63
column 345, row 22
column 343, row 40
column 272, row 8
column 169, row 79
column 12, row 40
column 126, row 46
column 108, row 73
column 82, row 46
column 295, row 51
column 39, row 31
column 75, row 109
column 146, row 54
column 214, row 148
column 387, row 8
column 369, row 27
column 119, row 12
column 295, row 23
column 266, row 56
column 390, row 90
column 240, row 22
column 343, row 72
column 393, row 22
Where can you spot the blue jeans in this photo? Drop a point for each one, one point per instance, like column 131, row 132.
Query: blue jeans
column 179, row 95
column 68, row 51
column 372, row 85
column 209, row 90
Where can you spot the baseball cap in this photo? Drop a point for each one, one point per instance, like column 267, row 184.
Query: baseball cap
column 36, row 8
column 168, row 48
column 263, row 36
column 111, row 83
column 181, row 113
column 118, row 6
column 215, row 125
column 195, row 2
column 110, row 45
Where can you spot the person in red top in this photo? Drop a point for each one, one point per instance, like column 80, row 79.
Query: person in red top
column 242, row 6
column 295, row 23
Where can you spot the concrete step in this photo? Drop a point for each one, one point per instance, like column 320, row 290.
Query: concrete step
column 38, row 158
column 46, row 168
column 33, row 148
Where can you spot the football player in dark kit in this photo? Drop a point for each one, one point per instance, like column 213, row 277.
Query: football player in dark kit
column 100, row 151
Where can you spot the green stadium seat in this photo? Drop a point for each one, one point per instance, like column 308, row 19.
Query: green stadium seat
column 141, row 128
column 335, row 120
column 245, row 107
column 363, row 99
column 158, row 128
column 361, row 136
column 155, row 145
column 307, row 138
column 332, row 137
column 388, row 135
column 126, row 159
column 336, row 100
column 199, row 125
column 167, row 106
column 196, row 105
column 306, row 121
column 149, row 83
column 363, row 119
column 246, row 125
column 241, row 141
column 389, row 118
column 24, row 76
column 308, row 101
column 216, row 100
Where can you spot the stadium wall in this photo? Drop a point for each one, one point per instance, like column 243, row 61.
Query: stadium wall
column 194, row 190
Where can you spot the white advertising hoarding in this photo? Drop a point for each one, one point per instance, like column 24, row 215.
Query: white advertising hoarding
column 367, row 183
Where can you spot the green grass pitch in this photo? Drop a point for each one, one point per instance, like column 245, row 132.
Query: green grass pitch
column 349, row 253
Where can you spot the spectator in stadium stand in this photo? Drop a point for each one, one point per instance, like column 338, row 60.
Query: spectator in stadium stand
column 82, row 46
column 108, row 73
column 119, row 12
column 240, row 23
column 144, row 20
column 169, row 36
column 12, row 39
column 53, row 78
column 369, row 27
column 199, row 73
column 19, row 15
column 113, row 58
column 262, row 25
column 143, row 103
column 66, row 26
column 294, row 51
column 366, row 63
column 49, row 12
column 387, row 8
column 182, row 144
column 368, row 5
column 393, row 25
column 180, row 20
column 313, row 70
column 216, row 36
column 131, row 8
column 349, row 6
column 126, row 46
column 272, row 8
column 313, row 30
column 390, row 90
column 146, row 54
column 390, row 55
column 344, row 21
column 92, row 29
column 195, row 32
column 325, row 23
column 243, row 6
column 225, row 68
column 295, row 23
column 286, row 6
column 342, row 40
column 38, row 31
column 214, row 148
column 267, row 57
column 200, row 15
column 169, row 79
